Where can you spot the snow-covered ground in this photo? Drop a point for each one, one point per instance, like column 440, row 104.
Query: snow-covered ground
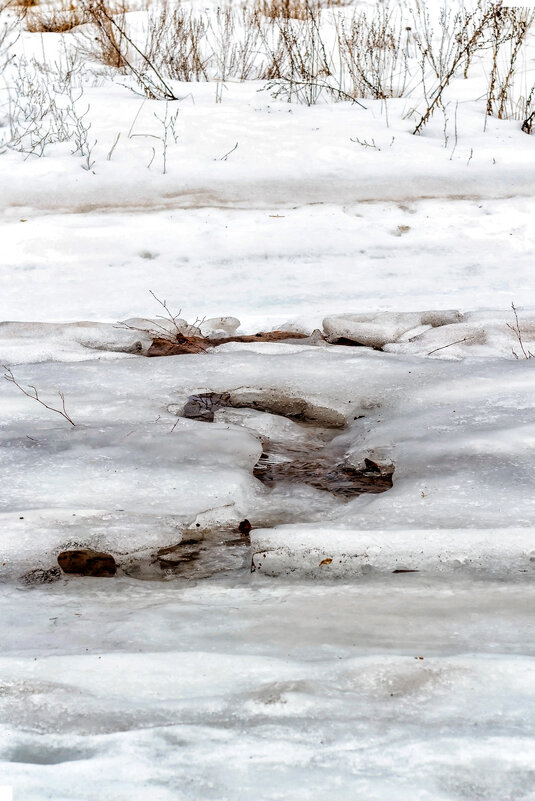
column 321, row 673
column 411, row 690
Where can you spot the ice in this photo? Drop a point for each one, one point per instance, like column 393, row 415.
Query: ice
column 447, row 335
column 326, row 553
column 376, row 330
column 227, row 688
column 460, row 435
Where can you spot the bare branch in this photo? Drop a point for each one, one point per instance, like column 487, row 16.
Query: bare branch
column 515, row 328
column 34, row 395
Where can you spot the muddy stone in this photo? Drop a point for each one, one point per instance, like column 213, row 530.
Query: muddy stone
column 85, row 562
column 181, row 345
column 203, row 406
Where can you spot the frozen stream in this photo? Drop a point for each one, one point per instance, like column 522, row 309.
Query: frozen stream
column 392, row 687
column 254, row 689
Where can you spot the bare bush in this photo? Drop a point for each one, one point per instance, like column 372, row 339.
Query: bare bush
column 509, row 29
column 46, row 107
column 517, row 331
column 177, row 43
column 113, row 46
column 8, row 34
column 374, row 53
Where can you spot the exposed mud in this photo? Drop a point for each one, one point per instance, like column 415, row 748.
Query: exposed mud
column 182, row 344
column 204, row 406
column 339, row 479
column 204, row 553
column 310, row 461
column 299, row 447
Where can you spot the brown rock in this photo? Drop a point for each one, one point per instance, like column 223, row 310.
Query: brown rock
column 85, row 562
column 245, row 527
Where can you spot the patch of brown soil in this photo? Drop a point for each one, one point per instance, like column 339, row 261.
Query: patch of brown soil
column 192, row 344
column 339, row 479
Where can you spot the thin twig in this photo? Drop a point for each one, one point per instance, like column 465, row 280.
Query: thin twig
column 457, row 341
column 8, row 375
column 225, row 157
column 518, row 333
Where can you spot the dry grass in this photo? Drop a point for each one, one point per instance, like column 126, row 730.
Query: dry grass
column 21, row 4
column 283, row 9
column 55, row 20
column 107, row 42
column 509, row 28
column 309, row 49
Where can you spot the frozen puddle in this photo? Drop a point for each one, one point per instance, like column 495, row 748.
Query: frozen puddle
column 298, row 451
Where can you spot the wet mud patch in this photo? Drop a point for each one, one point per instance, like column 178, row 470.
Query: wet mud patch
column 300, row 446
column 310, row 459
column 181, row 344
column 205, row 552
column 339, row 479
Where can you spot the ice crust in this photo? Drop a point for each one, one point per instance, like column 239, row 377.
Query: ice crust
column 460, row 435
column 423, row 690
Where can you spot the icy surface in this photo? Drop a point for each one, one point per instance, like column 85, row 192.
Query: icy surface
column 417, row 690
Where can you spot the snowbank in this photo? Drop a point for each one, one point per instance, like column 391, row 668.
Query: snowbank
column 324, row 552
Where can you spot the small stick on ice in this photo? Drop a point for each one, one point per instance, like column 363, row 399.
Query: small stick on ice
column 34, row 395
column 225, row 157
column 457, row 341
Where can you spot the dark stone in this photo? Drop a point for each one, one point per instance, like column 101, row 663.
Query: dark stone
column 245, row 527
column 85, row 562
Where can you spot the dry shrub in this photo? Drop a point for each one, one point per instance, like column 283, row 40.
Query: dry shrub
column 509, row 29
column 293, row 9
column 109, row 44
column 21, row 4
column 177, row 41
column 283, row 9
column 55, row 20
column 374, row 53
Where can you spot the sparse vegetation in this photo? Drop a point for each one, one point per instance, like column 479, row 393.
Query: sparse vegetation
column 302, row 50
column 55, row 19
column 517, row 331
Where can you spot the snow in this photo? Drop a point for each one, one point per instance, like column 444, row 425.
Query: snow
column 322, row 673
column 227, row 689
column 320, row 551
